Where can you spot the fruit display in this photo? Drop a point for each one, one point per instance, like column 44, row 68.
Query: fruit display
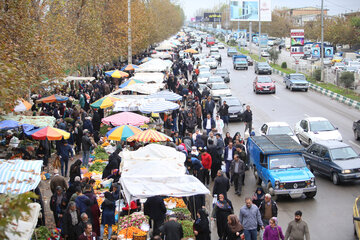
column 179, row 202
column 134, row 220
column 187, row 228
column 131, row 231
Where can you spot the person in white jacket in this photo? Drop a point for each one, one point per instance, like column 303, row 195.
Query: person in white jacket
column 219, row 125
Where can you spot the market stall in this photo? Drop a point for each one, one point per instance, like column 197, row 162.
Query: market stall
column 39, row 121
column 155, row 77
column 158, row 107
column 131, row 103
column 167, row 95
column 143, row 88
column 71, row 78
column 154, row 65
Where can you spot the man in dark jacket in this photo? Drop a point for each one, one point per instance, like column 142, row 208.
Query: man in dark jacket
column 209, row 106
column 172, row 230
column 64, row 152
column 221, row 184
column 228, row 157
column 208, row 123
column 224, row 113
column 268, row 209
column 248, row 119
column 70, row 222
column 237, row 170
column 154, row 207
column 190, row 122
column 86, row 145
column 181, row 121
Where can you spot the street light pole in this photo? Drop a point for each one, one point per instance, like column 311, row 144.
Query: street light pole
column 259, row 29
column 322, row 40
column 129, row 34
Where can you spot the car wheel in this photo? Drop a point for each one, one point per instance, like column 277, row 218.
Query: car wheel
column 270, row 190
column 356, row 135
column 310, row 194
column 335, row 179
column 286, row 86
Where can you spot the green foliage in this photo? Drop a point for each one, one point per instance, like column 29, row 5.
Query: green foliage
column 42, row 233
column 12, row 208
column 274, row 55
column 232, row 43
column 347, row 78
column 98, row 166
column 187, row 228
column 283, row 65
column 317, row 74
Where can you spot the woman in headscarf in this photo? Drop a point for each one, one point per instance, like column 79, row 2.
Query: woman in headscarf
column 234, row 228
column 114, row 162
column 237, row 136
column 227, row 139
column 201, row 226
column 75, row 170
column 258, row 196
column 108, row 214
column 273, row 230
column 223, row 208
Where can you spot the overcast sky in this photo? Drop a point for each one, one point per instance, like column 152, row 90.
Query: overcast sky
column 335, row 6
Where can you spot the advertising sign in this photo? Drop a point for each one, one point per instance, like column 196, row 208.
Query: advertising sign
column 212, row 17
column 297, row 42
column 329, row 51
column 248, row 10
column 315, row 52
column 263, row 42
column 199, row 18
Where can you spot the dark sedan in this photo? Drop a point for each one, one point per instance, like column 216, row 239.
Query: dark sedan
column 263, row 67
column 334, row 159
column 224, row 73
column 236, row 108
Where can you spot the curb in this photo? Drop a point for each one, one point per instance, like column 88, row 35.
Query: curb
column 326, row 92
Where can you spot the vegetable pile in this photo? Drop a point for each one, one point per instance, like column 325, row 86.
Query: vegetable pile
column 100, row 153
column 134, row 220
column 98, row 166
column 187, row 228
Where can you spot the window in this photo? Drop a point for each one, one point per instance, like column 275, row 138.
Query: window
column 304, row 125
column 315, row 150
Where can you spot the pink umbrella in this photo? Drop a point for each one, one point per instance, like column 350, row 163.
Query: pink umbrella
column 125, row 118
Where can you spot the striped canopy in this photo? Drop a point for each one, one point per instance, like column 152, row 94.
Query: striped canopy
column 53, row 98
column 130, row 82
column 129, row 67
column 104, row 102
column 167, row 95
column 158, row 107
column 145, row 59
column 49, row 133
column 19, row 176
column 150, row 135
column 117, row 74
column 121, row 133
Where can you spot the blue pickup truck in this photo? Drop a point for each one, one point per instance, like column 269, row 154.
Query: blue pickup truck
column 279, row 166
column 240, row 61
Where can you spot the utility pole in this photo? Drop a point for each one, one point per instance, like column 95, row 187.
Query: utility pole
column 129, row 34
column 322, row 40
column 250, row 36
column 259, row 29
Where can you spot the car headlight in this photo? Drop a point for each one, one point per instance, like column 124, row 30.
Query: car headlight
column 346, row 171
column 312, row 181
column 277, row 184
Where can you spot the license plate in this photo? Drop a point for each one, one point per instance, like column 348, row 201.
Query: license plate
column 233, row 116
column 296, row 191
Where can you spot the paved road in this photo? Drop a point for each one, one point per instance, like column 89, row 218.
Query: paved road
column 329, row 214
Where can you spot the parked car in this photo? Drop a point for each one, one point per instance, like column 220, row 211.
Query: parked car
column 336, row 59
column 250, row 61
column 221, row 46
column 314, row 129
column 215, row 55
column 214, row 79
column 296, row 81
column 352, row 69
column 333, row 159
column 264, row 84
column 203, row 77
column 240, row 62
column 231, row 52
column 262, row 67
column 276, row 128
column 211, row 62
column 356, row 129
column 265, row 53
column 224, row 73
column 204, row 68
column 219, row 89
column 236, row 108
column 214, row 49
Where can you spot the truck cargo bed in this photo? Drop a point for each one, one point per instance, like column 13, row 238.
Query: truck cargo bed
column 272, row 144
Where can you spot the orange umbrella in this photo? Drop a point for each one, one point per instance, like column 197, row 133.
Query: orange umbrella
column 117, row 74
column 149, row 136
column 22, row 105
column 53, row 98
column 49, row 133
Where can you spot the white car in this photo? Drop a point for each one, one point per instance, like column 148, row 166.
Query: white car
column 203, row 77
column 212, row 63
column 219, row 89
column 265, row 53
column 221, row 46
column 204, row 68
column 338, row 66
column 214, row 49
column 274, row 128
column 313, row 129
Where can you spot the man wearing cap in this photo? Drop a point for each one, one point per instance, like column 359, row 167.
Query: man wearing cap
column 86, row 145
column 56, row 181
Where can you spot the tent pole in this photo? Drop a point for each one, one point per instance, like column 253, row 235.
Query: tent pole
column 194, row 207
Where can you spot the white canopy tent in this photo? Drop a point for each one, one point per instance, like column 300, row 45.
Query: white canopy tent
column 154, row 65
column 161, row 55
column 143, row 88
column 157, row 170
column 131, row 103
column 71, row 78
column 149, row 77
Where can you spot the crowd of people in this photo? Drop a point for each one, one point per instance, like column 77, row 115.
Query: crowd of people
column 197, row 129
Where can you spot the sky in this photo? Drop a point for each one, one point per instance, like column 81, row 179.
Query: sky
column 335, row 6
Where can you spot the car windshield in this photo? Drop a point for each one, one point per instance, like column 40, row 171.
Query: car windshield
column 280, row 130
column 204, row 75
column 232, row 101
column 210, row 60
column 221, row 71
column 286, row 161
column 261, row 64
column 232, row 50
column 215, row 79
column 319, row 126
column 264, row 80
column 343, row 153
column 219, row 86
column 297, row 77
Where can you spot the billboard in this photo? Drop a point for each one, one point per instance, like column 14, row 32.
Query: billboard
column 297, row 42
column 248, row 10
column 329, row 52
column 315, row 52
column 199, row 18
column 212, row 17
column 263, row 41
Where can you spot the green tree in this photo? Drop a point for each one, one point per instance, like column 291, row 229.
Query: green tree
column 274, row 55
column 347, row 78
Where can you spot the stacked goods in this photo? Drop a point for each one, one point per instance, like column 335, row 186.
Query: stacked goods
column 181, row 213
column 179, row 202
column 100, row 153
column 187, row 228
column 131, row 231
column 133, row 220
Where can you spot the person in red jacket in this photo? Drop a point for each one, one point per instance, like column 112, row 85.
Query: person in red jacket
column 206, row 161
column 133, row 208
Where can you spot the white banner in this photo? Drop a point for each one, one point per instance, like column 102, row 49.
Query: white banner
column 248, row 10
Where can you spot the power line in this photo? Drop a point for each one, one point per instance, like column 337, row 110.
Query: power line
column 335, row 4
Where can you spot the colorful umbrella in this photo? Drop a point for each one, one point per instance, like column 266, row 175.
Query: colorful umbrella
column 145, row 59
column 125, row 118
column 122, row 133
column 129, row 67
column 49, row 133
column 53, row 98
column 130, row 82
column 117, row 74
column 22, row 105
column 8, row 124
column 149, row 136
column 190, row 50
column 104, row 102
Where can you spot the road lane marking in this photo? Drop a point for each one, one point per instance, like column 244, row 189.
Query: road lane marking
column 354, row 143
column 275, row 97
